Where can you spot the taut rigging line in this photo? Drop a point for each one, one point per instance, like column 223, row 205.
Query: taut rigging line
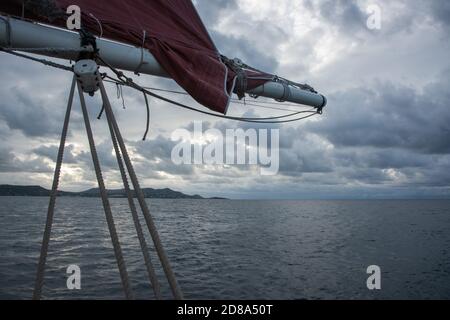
column 126, row 81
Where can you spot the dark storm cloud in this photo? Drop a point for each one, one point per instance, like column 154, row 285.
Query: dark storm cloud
column 9, row 162
column 232, row 46
column 390, row 116
column 375, row 158
column 210, row 11
column 298, row 162
column 81, row 158
column 7, row 159
column 51, row 152
column 158, row 148
column 24, row 114
column 441, row 12
column 347, row 15
column 350, row 17
column 156, row 156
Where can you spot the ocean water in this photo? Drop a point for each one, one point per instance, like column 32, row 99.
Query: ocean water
column 223, row 249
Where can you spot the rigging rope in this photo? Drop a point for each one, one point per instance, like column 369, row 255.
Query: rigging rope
column 51, row 206
column 233, row 100
column 270, row 120
column 106, row 205
column 51, row 50
column 148, row 117
column 120, row 95
column 43, row 61
column 121, row 83
column 110, row 220
column 143, row 243
column 126, row 81
column 176, row 291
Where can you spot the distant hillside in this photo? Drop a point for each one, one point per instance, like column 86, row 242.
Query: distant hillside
column 37, row 191
column 148, row 193
column 33, row 191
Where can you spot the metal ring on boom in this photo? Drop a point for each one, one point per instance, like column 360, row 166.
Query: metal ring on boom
column 142, row 62
column 8, row 30
column 286, row 92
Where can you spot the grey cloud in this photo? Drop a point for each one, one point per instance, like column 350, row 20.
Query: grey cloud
column 9, row 162
column 242, row 47
column 158, row 148
column 345, row 14
column 24, row 114
column 82, row 158
column 389, row 116
column 7, row 159
column 441, row 12
column 157, row 157
column 51, row 152
column 381, row 158
column 210, row 11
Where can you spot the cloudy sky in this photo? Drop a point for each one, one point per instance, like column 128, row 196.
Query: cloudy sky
column 384, row 134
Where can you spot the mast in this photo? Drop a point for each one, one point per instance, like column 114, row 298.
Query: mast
column 23, row 35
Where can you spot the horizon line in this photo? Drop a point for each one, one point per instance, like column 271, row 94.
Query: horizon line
column 330, row 198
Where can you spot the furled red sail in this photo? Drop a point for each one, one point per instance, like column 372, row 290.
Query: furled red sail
column 170, row 29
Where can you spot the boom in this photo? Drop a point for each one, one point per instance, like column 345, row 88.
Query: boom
column 29, row 36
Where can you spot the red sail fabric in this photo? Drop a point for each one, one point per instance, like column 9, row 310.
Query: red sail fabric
column 175, row 35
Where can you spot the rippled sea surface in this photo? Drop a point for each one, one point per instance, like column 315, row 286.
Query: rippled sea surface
column 223, row 249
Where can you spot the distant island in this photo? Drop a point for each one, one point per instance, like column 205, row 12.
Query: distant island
column 38, row 191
